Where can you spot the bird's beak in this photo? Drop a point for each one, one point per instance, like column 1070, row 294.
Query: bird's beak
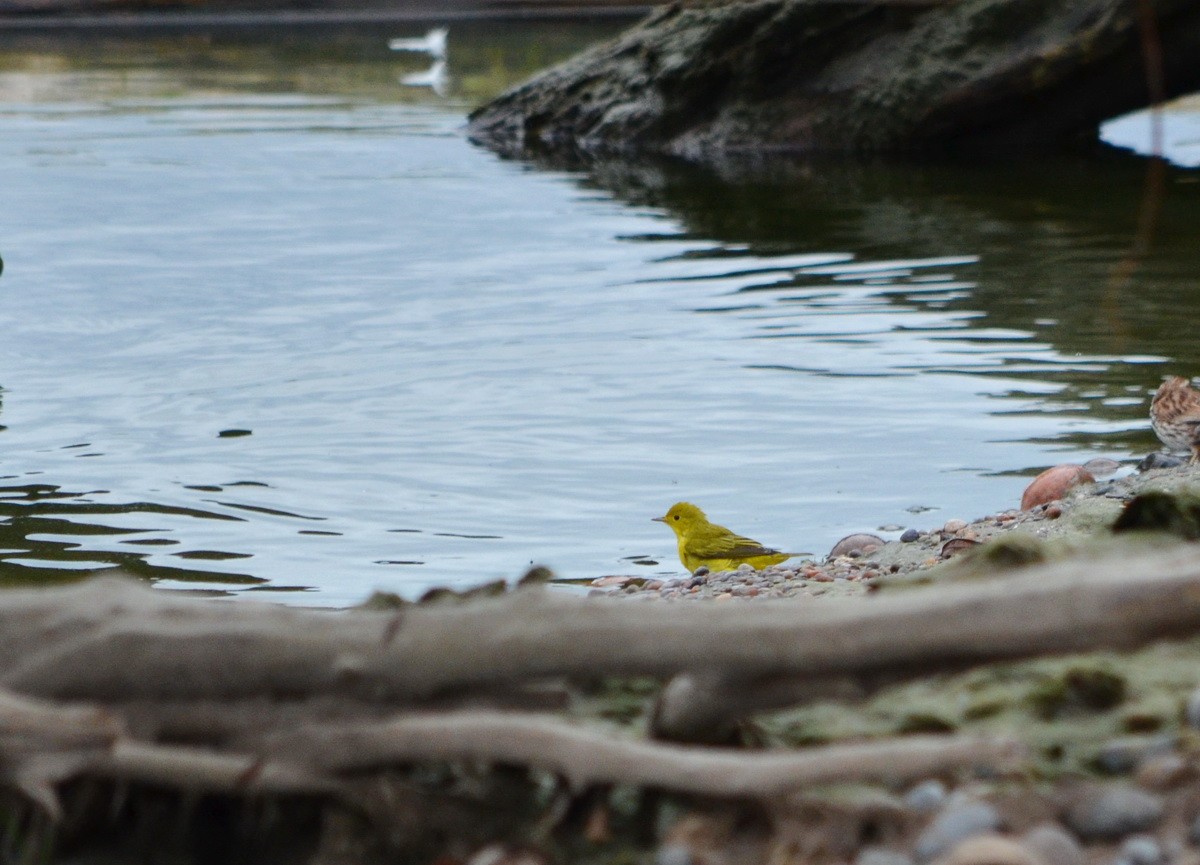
column 658, row 519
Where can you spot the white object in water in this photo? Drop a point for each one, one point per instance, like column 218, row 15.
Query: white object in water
column 435, row 78
column 432, row 43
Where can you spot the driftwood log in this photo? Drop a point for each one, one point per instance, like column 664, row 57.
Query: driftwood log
column 112, row 640
column 113, row 680
column 708, row 81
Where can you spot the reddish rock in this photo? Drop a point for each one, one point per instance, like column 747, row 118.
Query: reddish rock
column 1054, row 483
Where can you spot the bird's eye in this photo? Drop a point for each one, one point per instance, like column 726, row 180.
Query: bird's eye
column 677, row 518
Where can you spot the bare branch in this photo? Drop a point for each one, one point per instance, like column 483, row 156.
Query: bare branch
column 585, row 757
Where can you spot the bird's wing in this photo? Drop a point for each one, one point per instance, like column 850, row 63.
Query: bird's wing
column 728, row 546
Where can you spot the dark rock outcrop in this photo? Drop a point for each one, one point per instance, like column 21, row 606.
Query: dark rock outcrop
column 709, row 80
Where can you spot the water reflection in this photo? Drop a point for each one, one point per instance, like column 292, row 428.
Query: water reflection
column 52, row 535
column 333, row 60
column 1065, row 289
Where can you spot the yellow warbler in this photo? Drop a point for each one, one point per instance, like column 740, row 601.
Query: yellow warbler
column 716, row 547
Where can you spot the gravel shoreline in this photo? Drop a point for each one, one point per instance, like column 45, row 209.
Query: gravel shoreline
column 860, row 563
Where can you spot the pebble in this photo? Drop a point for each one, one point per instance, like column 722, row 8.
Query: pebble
column 954, row 824
column 611, row 581
column 1110, row 813
column 910, row 535
column 990, row 849
column 954, row 525
column 1054, row 845
column 1194, row 831
column 856, row 544
column 1122, row 756
column 1102, row 467
column 1191, row 711
column 926, row 797
column 1141, row 850
column 954, row 546
column 881, row 856
column 1162, row 772
column 1159, row 460
column 673, row 854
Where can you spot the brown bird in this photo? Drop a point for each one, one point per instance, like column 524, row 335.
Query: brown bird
column 1175, row 416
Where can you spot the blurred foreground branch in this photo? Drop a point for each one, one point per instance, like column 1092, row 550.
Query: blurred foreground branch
column 113, row 680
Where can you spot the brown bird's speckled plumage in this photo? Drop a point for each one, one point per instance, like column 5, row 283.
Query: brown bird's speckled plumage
column 1175, row 416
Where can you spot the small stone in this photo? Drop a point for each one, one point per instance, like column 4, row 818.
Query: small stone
column 1162, row 772
column 954, row 824
column 673, row 854
column 989, row 849
column 1110, row 813
column 954, row 525
column 701, row 571
column 745, row 568
column 611, row 581
column 926, row 797
column 1159, row 460
column 653, row 585
column 910, row 535
column 1182, row 856
column 954, row 546
column 1054, row 845
column 1194, row 831
column 1191, row 710
column 1102, row 467
column 1121, row 756
column 890, row 527
column 1141, row 850
column 1053, row 512
column 881, row 856
column 856, row 544
column 1054, row 483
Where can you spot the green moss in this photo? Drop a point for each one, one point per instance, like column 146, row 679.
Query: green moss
column 1065, row 710
column 1076, row 689
column 986, row 708
column 1176, row 513
column 1013, row 550
column 1091, row 515
column 925, row 722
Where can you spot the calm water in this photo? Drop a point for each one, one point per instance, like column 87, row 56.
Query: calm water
column 451, row 366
